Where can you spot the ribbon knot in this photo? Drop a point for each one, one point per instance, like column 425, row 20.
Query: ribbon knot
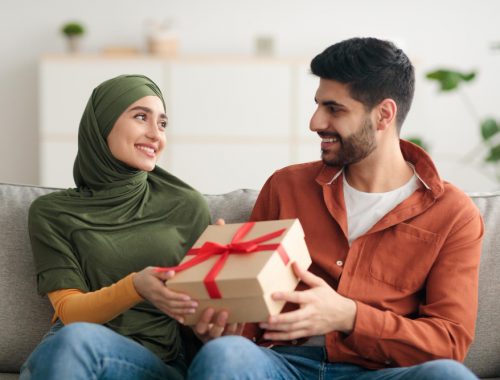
column 236, row 246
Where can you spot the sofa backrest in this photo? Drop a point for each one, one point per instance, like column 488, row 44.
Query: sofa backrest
column 25, row 316
column 484, row 355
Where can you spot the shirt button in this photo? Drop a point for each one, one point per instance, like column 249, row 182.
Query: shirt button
column 388, row 362
column 340, row 263
column 295, row 341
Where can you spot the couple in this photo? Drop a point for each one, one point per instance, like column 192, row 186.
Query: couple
column 391, row 293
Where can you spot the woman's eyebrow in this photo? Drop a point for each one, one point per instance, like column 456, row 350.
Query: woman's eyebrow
column 147, row 110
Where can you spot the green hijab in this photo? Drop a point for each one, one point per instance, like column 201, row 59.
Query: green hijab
column 118, row 219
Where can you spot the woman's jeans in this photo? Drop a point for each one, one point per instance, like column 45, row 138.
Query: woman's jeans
column 91, row 351
column 237, row 358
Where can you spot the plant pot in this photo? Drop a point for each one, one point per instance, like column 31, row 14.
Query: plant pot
column 73, row 44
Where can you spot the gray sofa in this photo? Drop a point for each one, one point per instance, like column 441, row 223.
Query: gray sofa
column 25, row 316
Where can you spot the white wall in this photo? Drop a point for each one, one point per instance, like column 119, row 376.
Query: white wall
column 432, row 32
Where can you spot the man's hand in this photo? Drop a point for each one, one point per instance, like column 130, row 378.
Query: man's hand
column 213, row 325
column 321, row 310
column 150, row 284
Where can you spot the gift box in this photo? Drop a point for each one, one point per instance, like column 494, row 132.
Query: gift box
column 236, row 267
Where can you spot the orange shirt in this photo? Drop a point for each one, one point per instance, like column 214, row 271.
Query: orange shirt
column 413, row 275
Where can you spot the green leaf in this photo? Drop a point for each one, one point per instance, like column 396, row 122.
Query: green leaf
column 489, row 128
column 417, row 141
column 494, row 154
column 450, row 79
column 468, row 77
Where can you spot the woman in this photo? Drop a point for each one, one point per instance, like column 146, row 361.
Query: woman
column 96, row 246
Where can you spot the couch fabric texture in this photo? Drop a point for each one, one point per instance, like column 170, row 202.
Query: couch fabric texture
column 25, row 316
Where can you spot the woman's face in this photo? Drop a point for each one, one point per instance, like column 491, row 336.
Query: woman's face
column 138, row 136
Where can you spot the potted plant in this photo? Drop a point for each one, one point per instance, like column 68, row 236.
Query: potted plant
column 73, row 31
column 489, row 128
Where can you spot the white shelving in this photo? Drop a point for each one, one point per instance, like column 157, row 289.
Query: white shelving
column 232, row 121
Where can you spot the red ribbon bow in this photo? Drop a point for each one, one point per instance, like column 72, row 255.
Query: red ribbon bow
column 210, row 249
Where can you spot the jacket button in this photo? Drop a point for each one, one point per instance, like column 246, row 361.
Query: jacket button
column 295, row 341
column 388, row 362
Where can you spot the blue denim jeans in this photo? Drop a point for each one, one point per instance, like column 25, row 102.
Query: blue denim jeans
column 237, row 358
column 91, row 351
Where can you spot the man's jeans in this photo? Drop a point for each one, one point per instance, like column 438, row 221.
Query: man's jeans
column 237, row 358
column 91, row 351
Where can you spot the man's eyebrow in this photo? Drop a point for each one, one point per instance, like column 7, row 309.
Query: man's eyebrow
column 329, row 103
column 147, row 110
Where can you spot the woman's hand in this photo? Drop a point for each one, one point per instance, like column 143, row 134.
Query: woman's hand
column 213, row 325
column 150, row 284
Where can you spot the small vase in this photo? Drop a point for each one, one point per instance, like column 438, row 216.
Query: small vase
column 73, row 44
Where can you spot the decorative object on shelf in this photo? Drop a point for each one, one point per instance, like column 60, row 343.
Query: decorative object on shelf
column 264, row 45
column 120, row 51
column 489, row 148
column 161, row 38
column 73, row 32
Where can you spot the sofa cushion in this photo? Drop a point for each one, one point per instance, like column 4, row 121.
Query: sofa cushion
column 24, row 316
column 484, row 355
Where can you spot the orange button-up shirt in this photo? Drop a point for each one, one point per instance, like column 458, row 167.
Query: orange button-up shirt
column 413, row 275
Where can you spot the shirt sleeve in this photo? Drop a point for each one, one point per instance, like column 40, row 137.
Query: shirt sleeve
column 100, row 306
column 445, row 324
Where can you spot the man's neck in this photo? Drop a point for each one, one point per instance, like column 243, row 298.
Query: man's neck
column 380, row 172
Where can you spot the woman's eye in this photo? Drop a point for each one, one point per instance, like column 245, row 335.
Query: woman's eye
column 141, row 116
column 163, row 125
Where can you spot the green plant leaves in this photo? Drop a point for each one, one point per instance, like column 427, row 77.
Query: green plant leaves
column 450, row 79
column 494, row 155
column 73, row 28
column 418, row 141
column 489, row 128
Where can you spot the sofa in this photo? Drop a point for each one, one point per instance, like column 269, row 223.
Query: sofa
column 25, row 316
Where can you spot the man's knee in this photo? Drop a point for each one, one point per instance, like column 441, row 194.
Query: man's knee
column 447, row 369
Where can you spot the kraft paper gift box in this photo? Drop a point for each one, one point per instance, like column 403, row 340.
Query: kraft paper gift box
column 236, row 267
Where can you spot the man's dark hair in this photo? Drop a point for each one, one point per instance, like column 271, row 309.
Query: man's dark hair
column 373, row 69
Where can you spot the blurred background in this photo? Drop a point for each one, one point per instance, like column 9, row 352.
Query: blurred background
column 236, row 79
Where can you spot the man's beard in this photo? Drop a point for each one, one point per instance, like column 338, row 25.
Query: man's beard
column 355, row 147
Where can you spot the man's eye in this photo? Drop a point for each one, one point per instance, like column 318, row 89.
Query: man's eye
column 141, row 116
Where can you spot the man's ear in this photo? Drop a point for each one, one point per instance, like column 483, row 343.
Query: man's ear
column 386, row 114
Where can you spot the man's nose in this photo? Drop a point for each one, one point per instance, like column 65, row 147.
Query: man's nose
column 318, row 122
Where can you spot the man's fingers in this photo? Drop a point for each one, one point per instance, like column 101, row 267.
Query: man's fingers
column 306, row 276
column 220, row 222
column 203, row 324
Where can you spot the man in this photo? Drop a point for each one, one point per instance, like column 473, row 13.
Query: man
column 392, row 291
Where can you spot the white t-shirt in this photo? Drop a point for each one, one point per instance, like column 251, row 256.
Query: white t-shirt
column 366, row 209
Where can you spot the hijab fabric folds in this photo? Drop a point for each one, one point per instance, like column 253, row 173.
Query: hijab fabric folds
column 118, row 219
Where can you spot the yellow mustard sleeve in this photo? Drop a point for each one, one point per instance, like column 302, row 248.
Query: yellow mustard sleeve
column 100, row 306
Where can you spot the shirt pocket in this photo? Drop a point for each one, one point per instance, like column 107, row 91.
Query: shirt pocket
column 404, row 256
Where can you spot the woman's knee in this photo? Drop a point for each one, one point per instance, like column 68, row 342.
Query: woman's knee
column 225, row 354
column 228, row 348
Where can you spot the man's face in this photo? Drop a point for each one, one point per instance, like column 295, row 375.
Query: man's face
column 343, row 123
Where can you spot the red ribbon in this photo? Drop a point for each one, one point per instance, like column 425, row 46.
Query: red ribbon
column 210, row 249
